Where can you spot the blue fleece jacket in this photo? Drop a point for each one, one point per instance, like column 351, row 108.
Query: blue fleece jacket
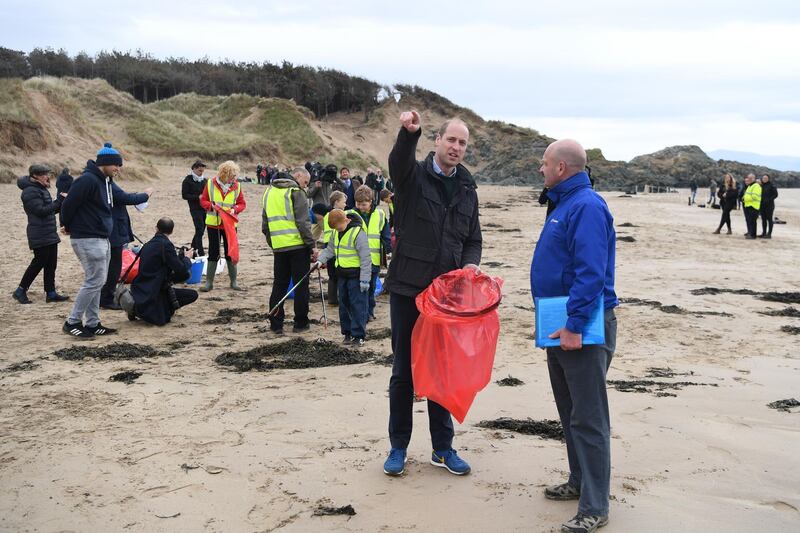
column 86, row 211
column 575, row 253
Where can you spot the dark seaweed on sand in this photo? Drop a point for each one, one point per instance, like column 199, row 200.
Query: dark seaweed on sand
column 670, row 309
column 227, row 315
column 791, row 312
column 293, row 354
column 127, row 377
column 627, row 225
column 770, row 296
column 324, row 510
column 626, row 238
column 510, row 382
column 117, row 350
column 378, row 334
column 22, row 366
column 547, row 429
column 784, row 405
column 658, row 388
column 793, row 330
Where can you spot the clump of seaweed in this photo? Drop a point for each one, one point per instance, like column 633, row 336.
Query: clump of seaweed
column 293, row 354
column 547, row 429
column 117, row 350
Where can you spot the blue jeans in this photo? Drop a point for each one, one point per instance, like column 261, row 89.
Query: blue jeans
column 578, row 379
column 352, row 307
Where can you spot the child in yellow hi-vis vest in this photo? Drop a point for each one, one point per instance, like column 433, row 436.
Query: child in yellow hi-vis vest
column 349, row 248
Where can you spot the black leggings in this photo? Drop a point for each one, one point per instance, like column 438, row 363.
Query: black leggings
column 199, row 221
column 213, row 244
column 45, row 258
column 726, row 219
column 114, row 272
column 766, row 218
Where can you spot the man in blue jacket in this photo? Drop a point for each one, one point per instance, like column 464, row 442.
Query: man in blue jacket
column 574, row 257
column 121, row 235
column 86, row 216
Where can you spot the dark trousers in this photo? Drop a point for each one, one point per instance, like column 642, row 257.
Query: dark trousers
column 751, row 217
column 766, row 218
column 114, row 270
column 371, row 294
column 214, row 235
column 185, row 296
column 352, row 308
column 578, row 379
column 333, row 286
column 44, row 258
column 199, row 221
column 291, row 265
column 726, row 219
column 403, row 315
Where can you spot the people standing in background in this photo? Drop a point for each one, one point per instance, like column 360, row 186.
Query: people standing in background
column 768, row 194
column 693, row 191
column 121, row 235
column 223, row 192
column 376, row 182
column 712, row 192
column 752, row 204
column 728, row 196
column 192, row 188
column 349, row 188
column 41, row 231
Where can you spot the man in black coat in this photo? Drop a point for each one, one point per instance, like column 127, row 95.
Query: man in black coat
column 768, row 194
column 156, row 300
column 437, row 230
column 42, row 234
column 192, row 188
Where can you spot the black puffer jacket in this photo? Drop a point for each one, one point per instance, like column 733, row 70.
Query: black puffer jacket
column 41, row 211
column 768, row 194
column 432, row 237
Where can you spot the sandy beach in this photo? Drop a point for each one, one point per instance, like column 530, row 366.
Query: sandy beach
column 192, row 446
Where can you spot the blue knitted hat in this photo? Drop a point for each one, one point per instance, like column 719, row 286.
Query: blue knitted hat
column 108, row 156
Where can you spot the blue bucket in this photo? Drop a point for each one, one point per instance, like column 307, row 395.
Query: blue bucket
column 197, row 273
column 291, row 284
column 378, row 286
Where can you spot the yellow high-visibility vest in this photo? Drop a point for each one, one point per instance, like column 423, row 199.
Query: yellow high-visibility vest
column 279, row 208
column 752, row 196
column 223, row 200
column 345, row 248
column 327, row 231
column 377, row 221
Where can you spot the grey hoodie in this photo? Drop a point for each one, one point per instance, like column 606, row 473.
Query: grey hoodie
column 301, row 217
column 362, row 247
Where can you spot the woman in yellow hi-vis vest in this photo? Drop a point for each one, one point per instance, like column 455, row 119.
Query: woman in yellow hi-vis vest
column 224, row 192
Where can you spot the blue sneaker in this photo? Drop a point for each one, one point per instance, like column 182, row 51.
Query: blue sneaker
column 395, row 464
column 450, row 460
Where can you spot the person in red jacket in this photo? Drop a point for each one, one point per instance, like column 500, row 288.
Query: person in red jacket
column 221, row 192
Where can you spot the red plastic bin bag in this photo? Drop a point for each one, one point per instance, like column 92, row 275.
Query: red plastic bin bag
column 455, row 338
column 127, row 258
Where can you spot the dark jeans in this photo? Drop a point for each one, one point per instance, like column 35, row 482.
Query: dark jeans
column 578, row 379
column 185, row 296
column 114, row 270
column 371, row 295
column 333, row 287
column 352, row 308
column 403, row 314
column 291, row 265
column 44, row 258
column 199, row 221
column 213, row 244
column 751, row 216
column 766, row 218
column 726, row 219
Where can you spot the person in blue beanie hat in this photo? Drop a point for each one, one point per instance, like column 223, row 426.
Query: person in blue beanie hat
column 86, row 214
column 574, row 257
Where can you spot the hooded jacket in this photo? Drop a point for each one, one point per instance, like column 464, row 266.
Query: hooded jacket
column 41, row 211
column 575, row 253
column 432, row 236
column 158, row 266
column 300, row 210
column 364, row 272
column 86, row 211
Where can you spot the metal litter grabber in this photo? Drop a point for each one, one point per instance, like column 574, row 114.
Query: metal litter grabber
column 322, row 294
column 291, row 290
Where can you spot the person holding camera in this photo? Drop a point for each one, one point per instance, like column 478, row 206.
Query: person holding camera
column 323, row 183
column 156, row 299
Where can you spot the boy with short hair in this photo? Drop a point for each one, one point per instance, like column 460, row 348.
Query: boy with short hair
column 378, row 235
column 349, row 247
column 387, row 197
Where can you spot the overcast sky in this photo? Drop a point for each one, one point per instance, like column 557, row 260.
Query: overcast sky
column 630, row 77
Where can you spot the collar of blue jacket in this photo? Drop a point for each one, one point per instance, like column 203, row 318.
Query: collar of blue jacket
column 581, row 179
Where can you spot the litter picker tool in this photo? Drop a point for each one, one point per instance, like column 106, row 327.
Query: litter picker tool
column 296, row 284
column 322, row 294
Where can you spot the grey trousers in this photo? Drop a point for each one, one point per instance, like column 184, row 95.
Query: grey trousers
column 578, row 379
column 94, row 255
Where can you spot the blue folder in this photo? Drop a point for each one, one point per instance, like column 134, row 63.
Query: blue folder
column 551, row 315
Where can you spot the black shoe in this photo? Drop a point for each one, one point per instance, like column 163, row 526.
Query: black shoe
column 55, row 297
column 358, row 342
column 297, row 328
column 100, row 329
column 77, row 331
column 110, row 306
column 767, row 236
column 21, row 296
